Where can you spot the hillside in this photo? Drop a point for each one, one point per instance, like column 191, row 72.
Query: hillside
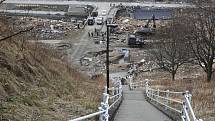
column 36, row 85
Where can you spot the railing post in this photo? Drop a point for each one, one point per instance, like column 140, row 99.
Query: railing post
column 113, row 93
column 187, row 94
column 185, row 112
column 130, row 83
column 101, row 115
column 167, row 101
column 120, row 90
column 141, row 84
column 190, row 97
column 104, row 106
column 105, row 90
column 185, row 115
column 147, row 88
column 151, row 92
column 158, row 93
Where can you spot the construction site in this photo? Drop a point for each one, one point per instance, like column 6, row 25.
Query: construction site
column 88, row 40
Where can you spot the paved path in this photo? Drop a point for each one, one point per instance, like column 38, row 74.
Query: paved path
column 135, row 108
column 85, row 45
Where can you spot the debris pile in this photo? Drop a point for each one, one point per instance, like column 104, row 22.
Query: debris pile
column 127, row 24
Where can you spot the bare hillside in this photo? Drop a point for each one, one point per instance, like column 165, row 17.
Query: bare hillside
column 36, row 85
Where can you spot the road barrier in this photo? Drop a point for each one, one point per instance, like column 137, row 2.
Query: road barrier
column 182, row 100
column 103, row 112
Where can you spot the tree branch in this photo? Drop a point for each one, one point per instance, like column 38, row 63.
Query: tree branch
column 17, row 33
column 2, row 1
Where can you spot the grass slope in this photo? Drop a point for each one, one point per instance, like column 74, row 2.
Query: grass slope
column 36, row 85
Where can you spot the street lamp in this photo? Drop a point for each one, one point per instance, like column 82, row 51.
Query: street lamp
column 107, row 53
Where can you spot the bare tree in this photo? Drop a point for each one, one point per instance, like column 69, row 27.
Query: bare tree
column 172, row 50
column 201, row 23
column 1, row 1
column 17, row 33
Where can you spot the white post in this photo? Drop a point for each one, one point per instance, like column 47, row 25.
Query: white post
column 130, row 82
column 158, row 93
column 120, row 89
column 106, row 108
column 105, row 90
column 167, row 101
column 185, row 112
column 101, row 115
column 151, row 92
column 113, row 93
column 147, row 86
column 189, row 98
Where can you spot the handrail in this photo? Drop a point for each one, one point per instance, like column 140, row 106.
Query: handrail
column 189, row 106
column 186, row 104
column 154, row 94
column 174, row 109
column 187, row 109
column 114, row 96
column 103, row 110
column 137, row 82
column 115, row 102
column 170, row 99
column 165, row 91
column 88, row 116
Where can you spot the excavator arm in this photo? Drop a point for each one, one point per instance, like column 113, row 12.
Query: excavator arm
column 149, row 21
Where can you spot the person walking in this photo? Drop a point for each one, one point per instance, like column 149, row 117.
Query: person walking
column 97, row 33
column 103, row 37
column 89, row 34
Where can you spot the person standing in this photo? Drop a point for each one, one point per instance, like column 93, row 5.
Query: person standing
column 89, row 34
column 97, row 33
column 102, row 36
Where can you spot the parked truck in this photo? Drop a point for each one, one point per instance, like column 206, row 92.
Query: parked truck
column 91, row 21
column 134, row 41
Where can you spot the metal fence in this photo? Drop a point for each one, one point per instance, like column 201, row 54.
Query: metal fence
column 108, row 102
column 179, row 102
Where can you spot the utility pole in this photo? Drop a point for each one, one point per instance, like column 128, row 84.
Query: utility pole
column 107, row 59
column 107, row 53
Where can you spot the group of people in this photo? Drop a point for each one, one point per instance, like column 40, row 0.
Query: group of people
column 97, row 33
column 92, row 34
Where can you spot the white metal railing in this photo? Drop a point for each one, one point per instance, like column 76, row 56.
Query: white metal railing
column 181, row 105
column 103, row 112
column 133, row 85
column 188, row 113
column 163, row 98
column 139, row 84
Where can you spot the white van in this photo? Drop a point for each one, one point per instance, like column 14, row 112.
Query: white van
column 104, row 12
column 99, row 20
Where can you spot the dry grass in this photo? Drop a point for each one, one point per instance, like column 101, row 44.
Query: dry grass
column 36, row 85
column 203, row 93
